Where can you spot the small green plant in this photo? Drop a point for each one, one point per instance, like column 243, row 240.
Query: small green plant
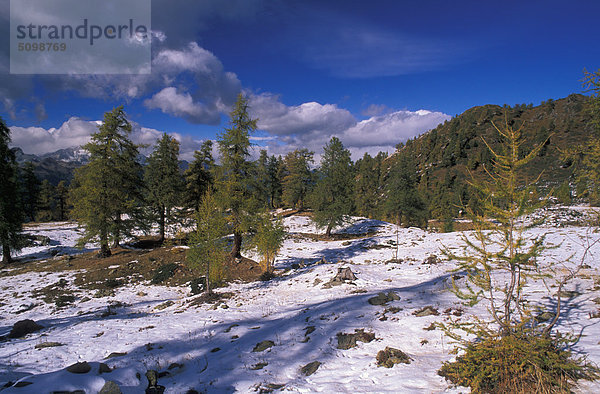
column 268, row 239
column 207, row 243
column 163, row 273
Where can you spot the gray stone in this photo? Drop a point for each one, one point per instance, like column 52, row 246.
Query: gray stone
column 310, row 368
column 79, row 368
column 24, row 327
column 390, row 357
column 262, row 346
column 110, row 387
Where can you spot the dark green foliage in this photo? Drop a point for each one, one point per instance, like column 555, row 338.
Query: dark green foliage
column 47, row 203
column 404, row 203
column 11, row 209
column 31, row 190
column 235, row 187
column 332, row 198
column 207, row 243
column 110, row 185
column 164, row 181
column 298, row 178
column 164, row 272
column 367, row 188
column 512, row 364
column 267, row 182
column 198, row 285
column 62, row 194
column 199, row 176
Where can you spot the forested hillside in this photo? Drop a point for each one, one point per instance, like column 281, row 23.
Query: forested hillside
column 445, row 155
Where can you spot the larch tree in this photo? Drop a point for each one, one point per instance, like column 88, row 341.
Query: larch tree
column 164, row 181
column 11, row 211
column 332, row 198
column 199, row 176
column 298, row 178
column 106, row 192
column 234, row 181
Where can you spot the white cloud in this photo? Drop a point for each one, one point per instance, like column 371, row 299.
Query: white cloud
column 311, row 125
column 181, row 105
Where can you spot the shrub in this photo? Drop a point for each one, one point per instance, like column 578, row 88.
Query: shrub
column 513, row 364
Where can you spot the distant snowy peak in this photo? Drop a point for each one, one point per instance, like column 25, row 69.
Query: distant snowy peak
column 70, row 155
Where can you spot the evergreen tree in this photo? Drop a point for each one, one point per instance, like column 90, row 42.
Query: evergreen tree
column 164, row 181
column 47, row 202
column 404, row 202
column 366, row 190
column 11, row 211
column 298, row 178
column 199, row 176
column 207, row 242
column 262, row 180
column 332, row 198
column 109, row 186
column 274, row 182
column 62, row 194
column 31, row 190
column 234, row 183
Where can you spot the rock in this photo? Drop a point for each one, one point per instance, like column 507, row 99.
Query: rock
column 79, row 368
column 544, row 317
column 348, row 341
column 115, row 354
column 344, row 274
column 262, row 346
column 258, row 366
column 103, row 368
column 175, row 366
column 22, row 384
column 24, row 327
column 432, row 260
column 164, row 305
column 228, row 329
column 383, row 298
column 309, row 330
column 310, row 368
column 110, row 387
column 390, row 357
column 427, row 311
column 44, row 345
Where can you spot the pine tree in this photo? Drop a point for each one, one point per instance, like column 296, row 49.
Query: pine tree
column 404, row 202
column 274, row 182
column 164, row 181
column 262, row 180
column 31, row 190
column 366, row 190
column 109, row 186
column 298, row 178
column 234, row 182
column 200, row 175
column 62, row 194
column 332, row 198
column 11, row 211
column 47, row 202
column 207, row 242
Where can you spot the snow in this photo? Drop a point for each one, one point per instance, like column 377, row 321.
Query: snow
column 214, row 344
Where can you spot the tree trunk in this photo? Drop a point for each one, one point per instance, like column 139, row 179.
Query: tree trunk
column 6, row 259
column 161, row 225
column 328, row 231
column 236, row 250
column 117, row 234
column 207, row 279
column 104, row 248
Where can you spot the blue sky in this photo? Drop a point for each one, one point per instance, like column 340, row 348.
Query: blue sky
column 360, row 70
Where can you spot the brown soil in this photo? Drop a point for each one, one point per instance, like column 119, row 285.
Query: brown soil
column 332, row 237
column 131, row 266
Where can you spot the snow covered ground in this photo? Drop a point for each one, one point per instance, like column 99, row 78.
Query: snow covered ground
column 209, row 348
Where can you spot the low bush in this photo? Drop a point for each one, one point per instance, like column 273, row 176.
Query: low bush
column 511, row 364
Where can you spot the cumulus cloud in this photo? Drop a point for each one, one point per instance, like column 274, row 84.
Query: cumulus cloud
column 311, row 125
column 76, row 132
column 181, row 105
